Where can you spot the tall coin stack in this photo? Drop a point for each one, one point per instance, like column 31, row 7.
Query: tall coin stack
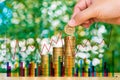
column 69, row 55
column 57, row 60
column 45, row 66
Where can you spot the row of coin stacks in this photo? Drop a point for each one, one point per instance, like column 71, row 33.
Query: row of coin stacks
column 60, row 64
column 62, row 61
column 80, row 70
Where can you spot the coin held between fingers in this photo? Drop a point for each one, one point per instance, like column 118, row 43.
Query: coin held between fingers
column 69, row 30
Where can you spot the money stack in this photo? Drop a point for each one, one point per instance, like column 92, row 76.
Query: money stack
column 21, row 69
column 45, row 65
column 32, row 69
column 69, row 55
column 57, row 60
column 39, row 70
column 16, row 70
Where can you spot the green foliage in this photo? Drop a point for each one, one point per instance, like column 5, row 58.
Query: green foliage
column 32, row 17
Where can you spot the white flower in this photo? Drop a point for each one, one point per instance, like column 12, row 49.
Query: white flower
column 97, row 39
column 38, row 40
column 3, row 52
column 102, row 44
column 45, row 41
column 88, row 48
column 88, row 61
column 15, row 15
column 30, row 41
column 14, row 50
column 53, row 6
column 1, row 58
column 15, row 21
column 13, row 43
column 94, row 52
column 23, row 54
column 81, row 47
column 102, row 29
column 82, row 55
column 64, row 8
column 31, row 48
column 58, row 12
column 45, row 4
column 95, row 61
column 22, row 43
column 87, row 55
column 94, row 48
column 28, row 52
column 50, row 13
column 100, row 55
column 94, row 32
column 86, row 42
column 3, row 66
column 55, row 23
column 44, row 32
column 3, row 46
column 101, row 50
column 44, row 11
column 23, row 49
column 65, row 18
column 19, row 6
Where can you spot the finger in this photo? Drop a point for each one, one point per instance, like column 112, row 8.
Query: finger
column 80, row 18
column 86, row 25
column 81, row 5
column 88, row 21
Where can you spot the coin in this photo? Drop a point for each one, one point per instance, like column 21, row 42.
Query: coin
column 69, row 30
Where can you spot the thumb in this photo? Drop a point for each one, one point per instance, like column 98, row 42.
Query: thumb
column 81, row 17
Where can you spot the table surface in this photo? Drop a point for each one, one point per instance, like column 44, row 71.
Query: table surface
column 116, row 77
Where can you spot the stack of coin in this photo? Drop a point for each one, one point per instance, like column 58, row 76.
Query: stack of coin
column 39, row 70
column 15, row 74
column 69, row 45
column 57, row 60
column 69, row 55
column 32, row 69
column 45, row 65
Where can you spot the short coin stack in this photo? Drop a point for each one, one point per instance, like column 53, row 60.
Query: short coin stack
column 57, row 60
column 69, row 55
column 32, row 69
column 45, row 65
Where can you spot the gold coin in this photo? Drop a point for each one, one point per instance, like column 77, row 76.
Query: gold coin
column 69, row 30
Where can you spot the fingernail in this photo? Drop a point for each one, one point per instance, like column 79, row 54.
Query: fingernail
column 72, row 22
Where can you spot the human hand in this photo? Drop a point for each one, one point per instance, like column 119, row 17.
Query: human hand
column 88, row 11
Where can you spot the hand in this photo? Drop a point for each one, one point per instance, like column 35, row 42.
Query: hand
column 88, row 11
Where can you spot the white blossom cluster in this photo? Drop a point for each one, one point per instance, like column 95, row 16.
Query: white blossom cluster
column 87, row 50
column 11, row 49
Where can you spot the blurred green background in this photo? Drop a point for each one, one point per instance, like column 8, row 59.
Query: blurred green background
column 32, row 21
